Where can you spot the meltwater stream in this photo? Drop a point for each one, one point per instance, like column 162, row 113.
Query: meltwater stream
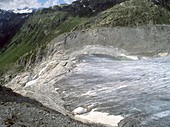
column 139, row 91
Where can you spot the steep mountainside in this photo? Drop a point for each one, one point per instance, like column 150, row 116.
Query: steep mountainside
column 38, row 30
column 89, row 7
column 46, row 24
column 131, row 13
column 10, row 23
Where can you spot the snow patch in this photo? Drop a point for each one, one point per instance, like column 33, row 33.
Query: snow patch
column 79, row 110
column 99, row 118
column 30, row 83
column 42, row 71
column 23, row 11
column 130, row 57
column 123, row 86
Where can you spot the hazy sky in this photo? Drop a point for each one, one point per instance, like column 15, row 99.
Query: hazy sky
column 13, row 4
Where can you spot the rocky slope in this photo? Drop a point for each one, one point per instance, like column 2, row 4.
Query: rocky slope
column 88, row 7
column 131, row 13
column 19, row 111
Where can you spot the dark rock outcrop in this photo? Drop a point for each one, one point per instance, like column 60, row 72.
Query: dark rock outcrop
column 10, row 23
column 87, row 7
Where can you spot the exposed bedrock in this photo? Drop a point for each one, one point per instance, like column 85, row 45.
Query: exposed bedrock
column 47, row 81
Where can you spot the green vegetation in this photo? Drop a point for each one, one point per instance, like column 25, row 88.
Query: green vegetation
column 39, row 29
column 45, row 25
column 131, row 13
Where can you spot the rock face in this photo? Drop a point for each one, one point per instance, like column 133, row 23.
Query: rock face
column 88, row 8
column 146, row 40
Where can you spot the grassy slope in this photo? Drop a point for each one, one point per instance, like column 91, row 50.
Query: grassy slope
column 36, row 32
column 42, row 27
column 130, row 13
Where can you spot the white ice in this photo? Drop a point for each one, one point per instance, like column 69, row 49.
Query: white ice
column 100, row 117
